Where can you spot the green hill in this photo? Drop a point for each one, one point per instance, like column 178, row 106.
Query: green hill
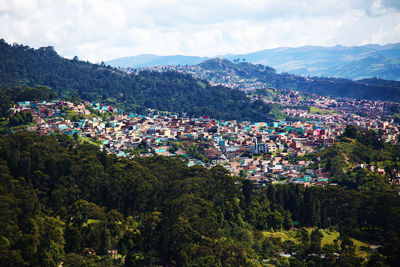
column 354, row 160
column 242, row 69
column 170, row 91
column 387, row 90
column 373, row 66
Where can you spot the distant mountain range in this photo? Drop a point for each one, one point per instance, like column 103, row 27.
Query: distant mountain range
column 148, row 60
column 354, row 62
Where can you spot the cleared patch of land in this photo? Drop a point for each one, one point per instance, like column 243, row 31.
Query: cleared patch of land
column 329, row 236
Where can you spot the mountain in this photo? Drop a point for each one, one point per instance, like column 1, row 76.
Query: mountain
column 148, row 60
column 373, row 66
column 353, row 62
column 337, row 61
column 374, row 89
column 170, row 91
column 243, row 69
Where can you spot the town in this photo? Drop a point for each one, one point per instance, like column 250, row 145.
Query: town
column 294, row 103
column 263, row 152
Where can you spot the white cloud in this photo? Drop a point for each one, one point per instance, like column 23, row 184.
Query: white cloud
column 104, row 29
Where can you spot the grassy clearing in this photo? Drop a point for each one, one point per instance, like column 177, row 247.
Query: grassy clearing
column 276, row 114
column 328, row 238
column 203, row 85
column 314, row 110
column 284, row 235
column 359, row 251
column 91, row 221
column 88, row 140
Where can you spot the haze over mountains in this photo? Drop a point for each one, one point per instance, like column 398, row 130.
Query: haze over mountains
column 355, row 62
column 149, row 60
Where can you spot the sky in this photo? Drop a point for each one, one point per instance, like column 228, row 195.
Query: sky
column 100, row 30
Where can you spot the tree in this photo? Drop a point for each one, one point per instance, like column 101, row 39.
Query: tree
column 83, row 210
column 304, row 237
column 351, row 132
column 315, row 241
column 51, row 241
column 247, row 189
column 76, row 135
column 188, row 220
column 287, row 221
column 72, row 237
column 74, row 98
column 104, row 241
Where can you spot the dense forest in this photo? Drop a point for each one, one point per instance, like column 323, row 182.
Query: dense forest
column 63, row 201
column 373, row 89
column 171, row 91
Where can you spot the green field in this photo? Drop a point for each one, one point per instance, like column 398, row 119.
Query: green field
column 314, row 110
column 89, row 140
column 328, row 238
column 276, row 114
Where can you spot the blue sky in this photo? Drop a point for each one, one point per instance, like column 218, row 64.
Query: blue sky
column 97, row 30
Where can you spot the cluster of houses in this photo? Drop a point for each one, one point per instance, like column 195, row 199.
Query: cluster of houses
column 261, row 151
column 50, row 116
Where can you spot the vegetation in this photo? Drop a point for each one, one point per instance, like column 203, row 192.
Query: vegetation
column 314, row 110
column 354, row 160
column 277, row 114
column 68, row 201
column 75, row 80
column 328, row 237
column 374, row 89
column 19, row 118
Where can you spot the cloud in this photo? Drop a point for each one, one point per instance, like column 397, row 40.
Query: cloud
column 99, row 30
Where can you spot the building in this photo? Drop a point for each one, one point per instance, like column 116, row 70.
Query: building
column 258, row 148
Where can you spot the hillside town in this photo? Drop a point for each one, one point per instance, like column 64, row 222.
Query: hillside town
column 262, row 152
column 297, row 103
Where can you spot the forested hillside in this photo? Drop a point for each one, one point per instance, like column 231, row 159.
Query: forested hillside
column 362, row 160
column 65, row 201
column 171, row 91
